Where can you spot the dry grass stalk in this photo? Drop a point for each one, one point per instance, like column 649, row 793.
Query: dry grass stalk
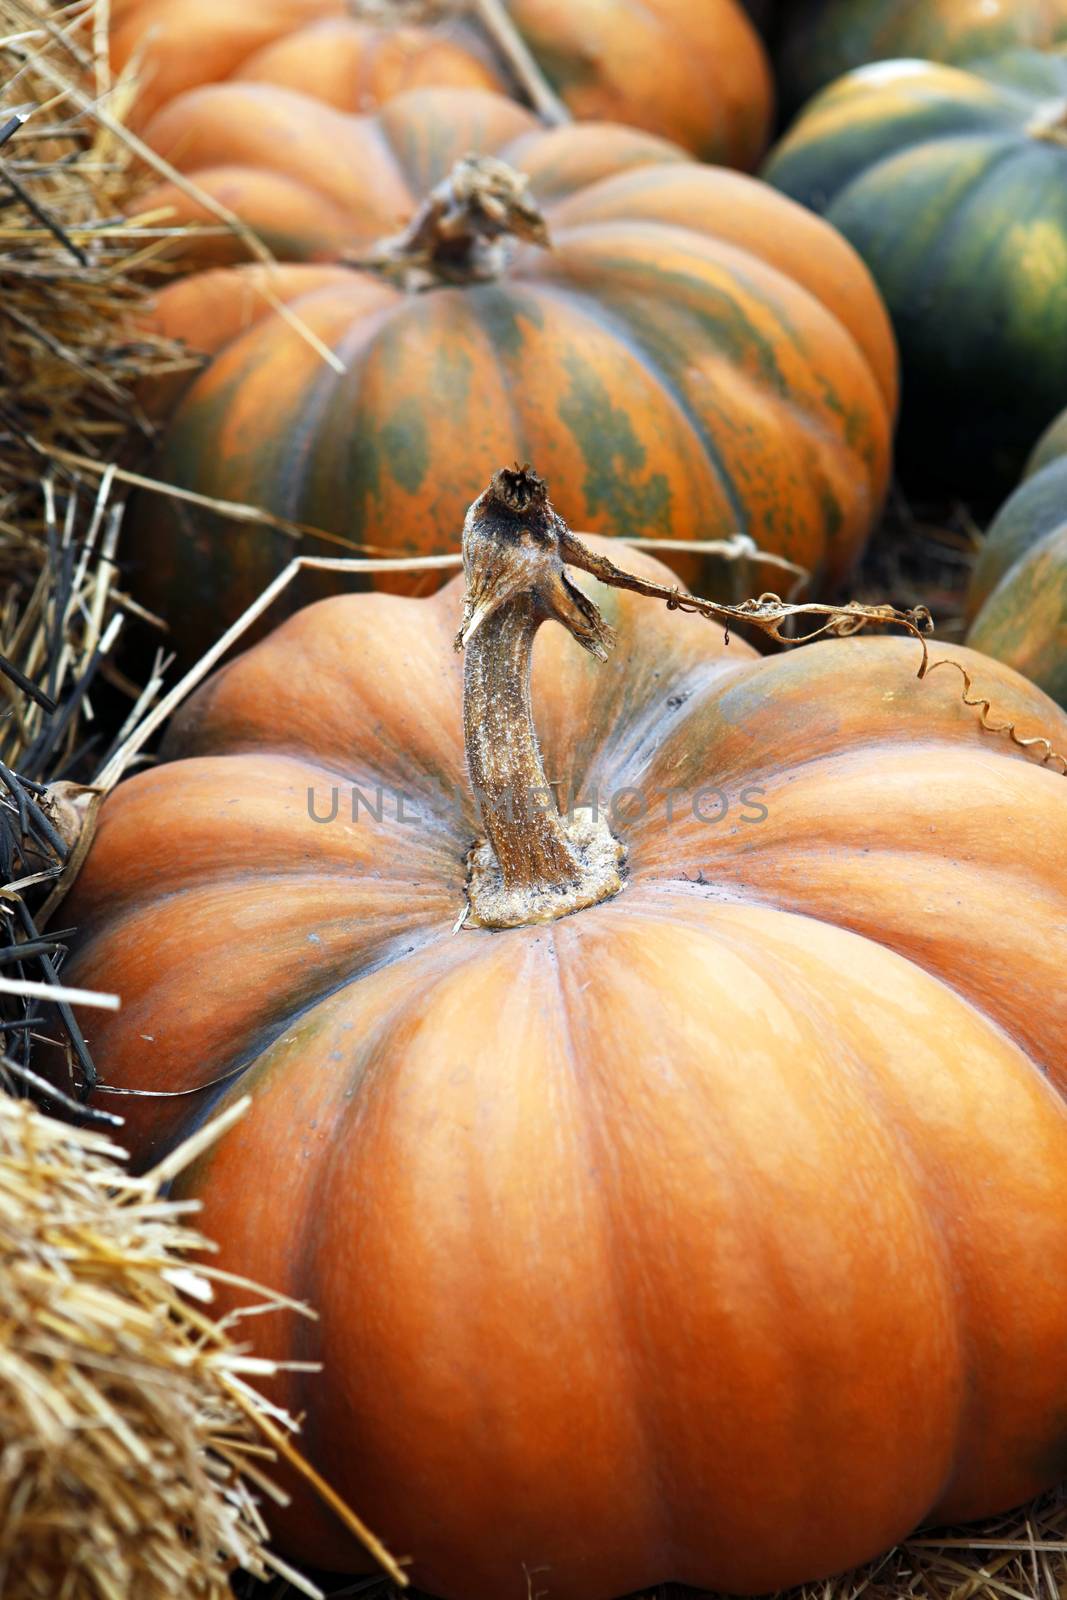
column 133, row 1450
column 72, row 263
column 1022, row 1556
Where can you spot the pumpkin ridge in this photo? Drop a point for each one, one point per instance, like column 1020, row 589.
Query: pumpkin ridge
column 808, row 136
column 475, row 305
column 231, row 368
column 1031, row 513
column 640, row 1392
column 635, row 184
column 903, row 152
column 596, row 311
column 747, row 268
column 635, row 756
column 955, row 220
column 318, row 398
column 1024, row 556
column 239, row 1073
column 903, row 1133
column 806, row 409
column 410, row 144
column 645, row 896
column 745, row 946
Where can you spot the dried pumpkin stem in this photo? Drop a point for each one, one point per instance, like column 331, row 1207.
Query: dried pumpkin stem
column 535, row 865
column 465, row 231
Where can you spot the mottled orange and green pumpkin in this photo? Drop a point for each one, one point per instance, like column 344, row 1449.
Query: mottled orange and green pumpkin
column 821, row 39
column 690, row 70
column 1017, row 603
column 952, row 185
column 714, row 1233
column 694, row 356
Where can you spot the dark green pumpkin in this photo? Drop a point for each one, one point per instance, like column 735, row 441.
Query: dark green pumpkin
column 821, row 39
column 952, row 185
column 1018, row 595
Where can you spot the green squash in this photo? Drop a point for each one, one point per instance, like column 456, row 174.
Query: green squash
column 952, row 185
column 821, row 39
column 1018, row 596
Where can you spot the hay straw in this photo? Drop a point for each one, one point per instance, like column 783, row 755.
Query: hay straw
column 129, row 1436
column 72, row 261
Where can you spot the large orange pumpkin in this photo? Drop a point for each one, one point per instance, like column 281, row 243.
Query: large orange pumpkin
column 694, row 356
column 690, row 70
column 715, row 1232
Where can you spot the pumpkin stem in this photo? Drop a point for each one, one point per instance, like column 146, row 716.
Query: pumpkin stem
column 534, row 865
column 466, row 229
column 1049, row 122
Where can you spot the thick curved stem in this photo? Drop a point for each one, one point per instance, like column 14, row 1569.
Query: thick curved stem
column 534, row 864
column 518, row 811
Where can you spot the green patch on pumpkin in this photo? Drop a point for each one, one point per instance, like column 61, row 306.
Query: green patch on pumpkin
column 615, row 458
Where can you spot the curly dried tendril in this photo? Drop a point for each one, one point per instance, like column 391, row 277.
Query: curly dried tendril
column 1038, row 745
column 770, row 613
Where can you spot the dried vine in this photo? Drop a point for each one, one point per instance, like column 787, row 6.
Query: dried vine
column 1052, row 757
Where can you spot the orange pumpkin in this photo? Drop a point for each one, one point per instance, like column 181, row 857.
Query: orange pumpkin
column 311, row 45
column 694, row 356
column 689, row 70
column 715, row 1232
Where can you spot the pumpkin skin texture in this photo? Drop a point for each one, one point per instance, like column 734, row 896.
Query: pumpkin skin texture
column 693, row 71
column 357, row 66
column 961, row 214
column 174, row 45
column 822, row 39
column 753, row 1178
column 1017, row 601
column 693, row 357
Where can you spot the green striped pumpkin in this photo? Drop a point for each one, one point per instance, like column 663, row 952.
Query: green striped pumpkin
column 1018, row 595
column 952, row 185
column 694, row 357
column 821, row 39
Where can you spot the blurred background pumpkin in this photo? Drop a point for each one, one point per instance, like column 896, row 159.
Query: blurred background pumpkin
column 691, row 70
column 819, row 40
column 1017, row 602
column 952, row 185
column 693, row 356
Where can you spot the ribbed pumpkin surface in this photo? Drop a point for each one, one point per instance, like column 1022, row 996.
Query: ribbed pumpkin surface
column 717, row 1233
column 1018, row 594
column 953, row 187
column 695, row 355
column 690, row 70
